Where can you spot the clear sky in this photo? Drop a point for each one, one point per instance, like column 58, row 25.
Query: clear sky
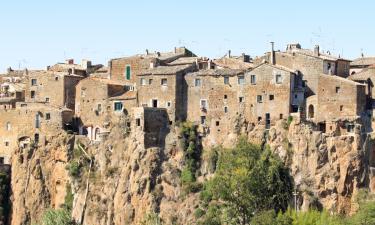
column 36, row 33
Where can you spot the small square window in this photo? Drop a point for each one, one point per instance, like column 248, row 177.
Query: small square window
column 164, row 81
column 143, row 81
column 226, row 80
column 337, row 89
column 203, row 120
column 150, row 81
column 217, row 123
column 56, row 78
column 197, row 82
column 32, row 94
column 225, row 96
column 281, row 116
column 33, row 82
column 48, row 116
column 259, row 98
column 259, row 118
column 225, row 109
column 241, row 80
column 272, row 97
column 203, row 104
column 169, row 104
column 6, row 143
column 341, row 108
column 278, row 79
column 241, row 99
column 118, row 106
column 253, row 79
column 47, row 99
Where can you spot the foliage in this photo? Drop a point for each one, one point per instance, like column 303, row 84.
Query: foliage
column 248, row 180
column 192, row 157
column 74, row 169
column 69, row 197
column 151, row 219
column 56, row 217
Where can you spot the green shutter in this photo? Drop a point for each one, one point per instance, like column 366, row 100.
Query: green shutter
column 128, row 72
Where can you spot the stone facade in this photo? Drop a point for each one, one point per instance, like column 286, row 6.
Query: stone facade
column 53, row 88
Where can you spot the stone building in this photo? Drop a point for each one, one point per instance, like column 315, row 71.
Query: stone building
column 265, row 94
column 100, row 101
column 30, row 124
column 127, row 68
column 85, row 68
column 10, row 93
column 339, row 103
column 164, row 87
column 359, row 64
column 53, row 88
column 309, row 63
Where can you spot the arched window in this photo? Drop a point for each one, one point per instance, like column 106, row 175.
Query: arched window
column 8, row 126
column 96, row 135
column 311, row 111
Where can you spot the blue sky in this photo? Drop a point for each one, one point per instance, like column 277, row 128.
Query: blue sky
column 37, row 33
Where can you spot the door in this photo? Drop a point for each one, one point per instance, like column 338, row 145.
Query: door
column 268, row 121
column 154, row 103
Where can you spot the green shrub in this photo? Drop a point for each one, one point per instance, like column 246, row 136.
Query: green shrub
column 187, row 176
column 198, row 213
column 74, row 169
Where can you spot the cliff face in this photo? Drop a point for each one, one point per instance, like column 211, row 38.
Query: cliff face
column 126, row 181
column 39, row 179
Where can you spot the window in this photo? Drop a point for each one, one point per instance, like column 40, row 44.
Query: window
column 272, row 97
column 48, row 116
column 169, row 104
column 203, row 104
column 150, row 81
column 295, row 96
column 240, row 99
column 138, row 122
column 32, row 94
column 143, row 81
column 56, row 78
column 6, row 143
column 128, row 72
column 47, row 99
column 281, row 116
column 241, row 80
column 8, row 126
column 217, row 123
column 225, row 109
column 99, row 108
column 197, row 82
column 259, row 118
column 33, row 82
column 225, row 96
column 226, row 80
column 129, row 88
column 253, row 79
column 164, row 81
column 118, row 106
column 278, row 79
column 341, row 108
column 259, row 98
column 203, row 120
column 337, row 89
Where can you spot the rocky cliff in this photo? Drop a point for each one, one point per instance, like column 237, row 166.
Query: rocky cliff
column 120, row 182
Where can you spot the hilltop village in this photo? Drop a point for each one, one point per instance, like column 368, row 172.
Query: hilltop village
column 154, row 91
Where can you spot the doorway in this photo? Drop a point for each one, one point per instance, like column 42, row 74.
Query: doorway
column 154, row 103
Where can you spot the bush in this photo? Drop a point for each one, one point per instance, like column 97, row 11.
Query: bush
column 74, row 169
column 198, row 213
column 187, row 176
column 56, row 217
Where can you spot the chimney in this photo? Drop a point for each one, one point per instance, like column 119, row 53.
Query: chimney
column 146, row 51
column 272, row 53
column 175, row 50
column 69, row 61
column 316, row 50
column 152, row 65
column 228, row 55
column 209, row 62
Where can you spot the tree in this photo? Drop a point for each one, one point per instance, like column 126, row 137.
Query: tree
column 249, row 180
